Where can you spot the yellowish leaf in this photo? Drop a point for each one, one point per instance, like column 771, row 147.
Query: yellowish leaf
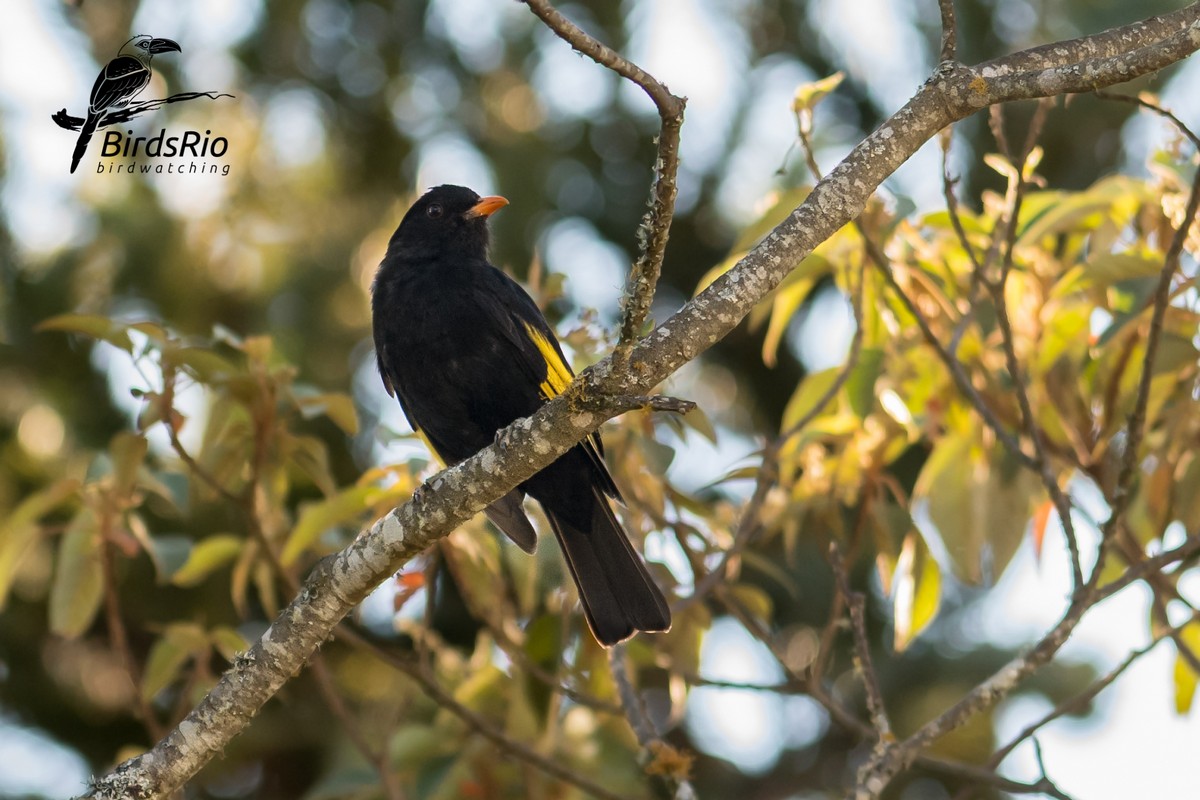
column 1185, row 676
column 206, row 557
column 337, row 406
column 79, row 577
column 809, row 94
column 93, row 325
column 917, row 585
column 18, row 531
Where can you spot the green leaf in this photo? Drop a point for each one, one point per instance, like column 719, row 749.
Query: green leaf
column 163, row 666
column 227, row 642
column 93, row 325
column 1109, row 199
column 344, row 507
column 169, row 654
column 860, row 384
column 127, row 450
column 698, row 421
column 19, row 530
column 206, row 557
column 1065, row 335
column 786, row 303
column 1126, row 300
column 1106, row 269
column 756, row 601
column 658, row 455
column 337, row 406
column 1185, row 676
column 206, row 365
column 980, row 502
column 79, row 577
column 917, row 585
column 810, row 391
column 414, row 745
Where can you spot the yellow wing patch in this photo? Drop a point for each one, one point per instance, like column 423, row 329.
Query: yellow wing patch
column 558, row 374
column 429, row 445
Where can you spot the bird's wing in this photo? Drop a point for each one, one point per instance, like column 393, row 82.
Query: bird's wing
column 118, row 82
column 543, row 357
column 506, row 513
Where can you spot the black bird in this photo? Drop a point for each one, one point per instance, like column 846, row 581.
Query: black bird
column 467, row 351
column 118, row 83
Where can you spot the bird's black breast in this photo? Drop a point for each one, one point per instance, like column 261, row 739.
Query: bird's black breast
column 449, row 343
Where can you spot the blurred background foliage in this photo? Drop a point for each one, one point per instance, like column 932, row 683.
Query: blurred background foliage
column 191, row 415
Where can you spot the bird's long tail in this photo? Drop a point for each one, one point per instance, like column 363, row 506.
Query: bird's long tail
column 85, row 136
column 619, row 597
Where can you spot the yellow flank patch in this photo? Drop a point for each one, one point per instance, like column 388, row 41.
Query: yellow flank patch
column 429, row 446
column 558, row 374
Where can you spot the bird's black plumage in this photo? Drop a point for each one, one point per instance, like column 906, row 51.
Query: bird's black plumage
column 467, row 351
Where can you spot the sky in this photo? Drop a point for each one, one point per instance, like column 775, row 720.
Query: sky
column 699, row 54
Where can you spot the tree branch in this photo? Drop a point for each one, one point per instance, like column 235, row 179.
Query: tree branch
column 656, row 224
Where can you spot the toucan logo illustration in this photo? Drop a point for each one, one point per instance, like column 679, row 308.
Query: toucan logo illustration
column 121, row 80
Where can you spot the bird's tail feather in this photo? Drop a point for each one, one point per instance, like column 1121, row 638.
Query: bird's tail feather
column 85, row 136
column 508, row 515
column 619, row 597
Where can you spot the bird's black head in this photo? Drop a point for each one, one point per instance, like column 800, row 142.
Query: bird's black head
column 447, row 223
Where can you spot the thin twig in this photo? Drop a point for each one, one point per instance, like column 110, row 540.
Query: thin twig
column 656, row 225
column 949, row 31
column 474, row 721
column 1078, row 702
column 118, row 636
column 1150, row 105
column 644, row 728
column 1041, row 463
column 862, row 646
column 378, row 759
column 955, row 367
column 1122, row 493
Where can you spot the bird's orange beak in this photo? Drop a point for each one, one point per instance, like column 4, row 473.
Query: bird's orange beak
column 486, row 206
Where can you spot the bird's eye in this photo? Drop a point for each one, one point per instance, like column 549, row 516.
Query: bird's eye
column 434, row 211
column 142, row 45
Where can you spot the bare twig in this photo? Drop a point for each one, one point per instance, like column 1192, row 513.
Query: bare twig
column 1079, row 702
column 654, row 402
column 1150, row 105
column 862, row 647
column 949, row 31
column 656, row 225
column 119, row 638
column 1041, row 463
column 646, row 731
column 1137, row 421
column 378, row 759
column 475, row 722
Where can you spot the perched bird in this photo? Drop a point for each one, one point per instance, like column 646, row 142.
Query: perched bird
column 118, row 83
column 466, row 351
